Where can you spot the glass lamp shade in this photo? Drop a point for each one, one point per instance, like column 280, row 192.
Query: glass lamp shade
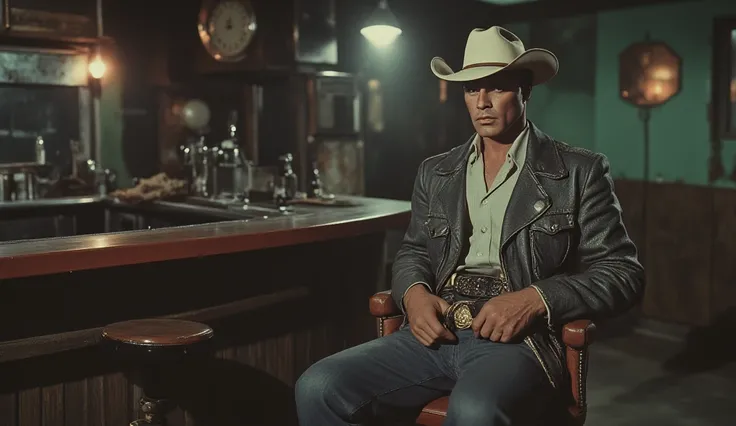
column 381, row 29
column 649, row 74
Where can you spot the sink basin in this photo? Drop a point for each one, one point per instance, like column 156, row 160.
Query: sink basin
column 247, row 210
column 191, row 211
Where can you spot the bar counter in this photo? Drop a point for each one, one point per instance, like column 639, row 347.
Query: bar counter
column 309, row 224
column 280, row 293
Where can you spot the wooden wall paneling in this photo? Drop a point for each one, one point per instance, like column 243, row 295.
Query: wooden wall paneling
column 96, row 398
column 76, row 402
column 269, row 357
column 136, row 393
column 117, row 391
column 723, row 300
column 52, row 402
column 678, row 251
column 8, row 408
column 29, row 407
column 268, row 365
column 189, row 419
column 176, row 416
column 314, row 344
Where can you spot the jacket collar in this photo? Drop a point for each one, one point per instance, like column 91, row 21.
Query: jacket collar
column 543, row 156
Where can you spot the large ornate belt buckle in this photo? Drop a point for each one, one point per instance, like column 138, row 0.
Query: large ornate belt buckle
column 459, row 316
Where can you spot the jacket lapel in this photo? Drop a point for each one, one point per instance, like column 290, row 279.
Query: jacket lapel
column 529, row 200
column 451, row 196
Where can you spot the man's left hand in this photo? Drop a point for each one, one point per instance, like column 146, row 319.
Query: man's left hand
column 505, row 316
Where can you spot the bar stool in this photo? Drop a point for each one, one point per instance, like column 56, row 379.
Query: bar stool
column 155, row 350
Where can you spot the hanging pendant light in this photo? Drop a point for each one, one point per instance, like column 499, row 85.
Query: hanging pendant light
column 381, row 29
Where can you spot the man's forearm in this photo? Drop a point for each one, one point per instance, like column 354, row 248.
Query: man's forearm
column 408, row 271
column 544, row 309
column 603, row 291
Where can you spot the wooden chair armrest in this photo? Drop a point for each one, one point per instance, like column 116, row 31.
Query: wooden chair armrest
column 578, row 334
column 382, row 305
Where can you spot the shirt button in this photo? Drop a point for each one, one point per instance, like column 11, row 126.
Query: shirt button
column 484, row 229
column 479, row 254
column 484, row 202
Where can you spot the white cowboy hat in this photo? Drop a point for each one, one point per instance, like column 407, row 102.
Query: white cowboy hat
column 496, row 49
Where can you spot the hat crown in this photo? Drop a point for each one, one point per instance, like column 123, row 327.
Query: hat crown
column 492, row 45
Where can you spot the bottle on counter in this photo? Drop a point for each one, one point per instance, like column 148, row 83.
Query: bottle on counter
column 287, row 177
column 233, row 172
column 315, row 184
column 40, row 151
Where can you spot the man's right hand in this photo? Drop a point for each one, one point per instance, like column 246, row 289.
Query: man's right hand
column 424, row 311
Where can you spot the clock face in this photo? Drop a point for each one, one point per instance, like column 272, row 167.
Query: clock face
column 228, row 29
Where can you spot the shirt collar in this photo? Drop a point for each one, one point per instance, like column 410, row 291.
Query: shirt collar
column 516, row 152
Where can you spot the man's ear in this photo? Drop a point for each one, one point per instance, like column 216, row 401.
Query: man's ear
column 526, row 93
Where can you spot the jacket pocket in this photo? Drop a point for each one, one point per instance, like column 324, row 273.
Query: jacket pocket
column 438, row 237
column 550, row 238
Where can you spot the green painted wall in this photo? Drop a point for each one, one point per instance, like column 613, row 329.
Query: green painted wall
column 600, row 120
column 564, row 107
column 679, row 132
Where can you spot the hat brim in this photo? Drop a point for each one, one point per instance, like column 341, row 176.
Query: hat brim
column 542, row 63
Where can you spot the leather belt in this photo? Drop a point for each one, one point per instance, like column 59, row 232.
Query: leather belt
column 467, row 293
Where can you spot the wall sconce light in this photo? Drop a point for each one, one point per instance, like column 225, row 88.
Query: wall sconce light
column 381, row 29
column 97, row 66
column 649, row 74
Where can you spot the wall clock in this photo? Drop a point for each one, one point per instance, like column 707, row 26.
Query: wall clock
column 226, row 28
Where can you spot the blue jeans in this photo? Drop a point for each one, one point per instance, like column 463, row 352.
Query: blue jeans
column 392, row 377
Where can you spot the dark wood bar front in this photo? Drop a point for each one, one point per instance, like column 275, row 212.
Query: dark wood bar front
column 280, row 293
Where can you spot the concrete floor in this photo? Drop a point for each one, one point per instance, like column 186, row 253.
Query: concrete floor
column 659, row 375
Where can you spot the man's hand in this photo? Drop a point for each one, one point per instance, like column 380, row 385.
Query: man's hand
column 424, row 310
column 504, row 317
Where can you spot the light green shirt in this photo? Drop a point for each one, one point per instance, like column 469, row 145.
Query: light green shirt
column 487, row 206
column 487, row 209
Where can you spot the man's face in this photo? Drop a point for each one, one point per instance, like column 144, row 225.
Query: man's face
column 495, row 102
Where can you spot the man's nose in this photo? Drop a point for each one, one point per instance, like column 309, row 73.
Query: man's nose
column 483, row 101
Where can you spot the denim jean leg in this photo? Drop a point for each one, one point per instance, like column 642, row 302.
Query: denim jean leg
column 499, row 384
column 386, row 377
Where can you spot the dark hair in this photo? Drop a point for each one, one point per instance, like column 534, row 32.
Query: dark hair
column 526, row 78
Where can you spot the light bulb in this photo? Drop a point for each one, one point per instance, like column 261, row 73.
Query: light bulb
column 97, row 68
column 381, row 35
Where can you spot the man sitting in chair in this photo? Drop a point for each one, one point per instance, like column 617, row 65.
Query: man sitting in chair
column 512, row 234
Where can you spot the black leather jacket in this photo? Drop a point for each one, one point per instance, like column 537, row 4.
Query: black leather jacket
column 562, row 232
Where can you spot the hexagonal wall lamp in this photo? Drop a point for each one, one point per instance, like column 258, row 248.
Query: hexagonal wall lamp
column 650, row 74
